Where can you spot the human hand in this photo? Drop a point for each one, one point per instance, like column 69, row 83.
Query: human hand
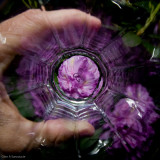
column 16, row 132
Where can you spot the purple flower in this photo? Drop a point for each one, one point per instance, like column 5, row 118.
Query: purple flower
column 78, row 77
column 132, row 118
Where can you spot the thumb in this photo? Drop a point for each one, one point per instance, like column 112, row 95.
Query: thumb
column 54, row 132
column 26, row 135
column 18, row 134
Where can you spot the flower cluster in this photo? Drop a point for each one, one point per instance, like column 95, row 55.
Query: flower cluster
column 132, row 118
column 78, row 77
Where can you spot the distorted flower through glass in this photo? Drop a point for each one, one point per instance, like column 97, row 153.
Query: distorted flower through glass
column 78, row 77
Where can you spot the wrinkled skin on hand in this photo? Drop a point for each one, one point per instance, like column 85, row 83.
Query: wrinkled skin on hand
column 17, row 133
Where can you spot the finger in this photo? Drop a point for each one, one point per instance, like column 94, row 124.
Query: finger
column 26, row 135
column 54, row 132
column 72, row 16
column 33, row 21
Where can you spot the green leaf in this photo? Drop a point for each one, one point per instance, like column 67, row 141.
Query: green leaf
column 151, row 18
column 147, row 5
column 88, row 142
column 7, row 8
column 35, row 4
column 149, row 47
column 155, row 36
column 30, row 2
column 26, row 4
column 130, row 39
column 24, row 106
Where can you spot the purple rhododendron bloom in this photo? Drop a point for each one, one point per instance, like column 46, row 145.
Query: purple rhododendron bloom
column 78, row 76
column 132, row 118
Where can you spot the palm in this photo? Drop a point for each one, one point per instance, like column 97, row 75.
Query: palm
column 13, row 127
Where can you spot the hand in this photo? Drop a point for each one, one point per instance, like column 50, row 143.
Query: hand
column 16, row 132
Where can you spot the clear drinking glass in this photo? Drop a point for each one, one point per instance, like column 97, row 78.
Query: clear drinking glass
column 121, row 108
